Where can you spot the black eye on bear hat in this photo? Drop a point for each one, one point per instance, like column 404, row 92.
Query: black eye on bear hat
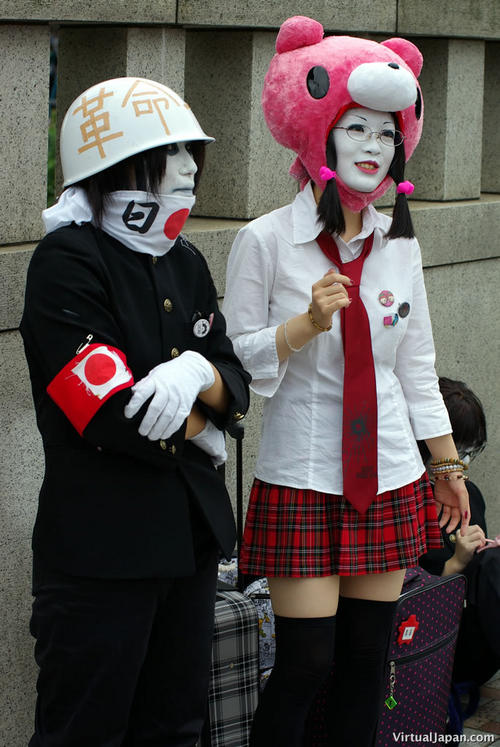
column 318, row 82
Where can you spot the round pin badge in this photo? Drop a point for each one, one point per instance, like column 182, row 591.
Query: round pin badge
column 404, row 309
column 386, row 298
column 201, row 328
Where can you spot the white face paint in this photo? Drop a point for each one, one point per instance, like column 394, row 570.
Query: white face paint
column 180, row 171
column 363, row 165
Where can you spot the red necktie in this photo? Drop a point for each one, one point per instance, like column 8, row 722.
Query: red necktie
column 359, row 422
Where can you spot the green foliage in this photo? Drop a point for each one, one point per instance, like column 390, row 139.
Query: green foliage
column 51, row 162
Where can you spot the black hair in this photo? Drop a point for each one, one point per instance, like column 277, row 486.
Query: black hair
column 143, row 171
column 401, row 225
column 467, row 417
column 330, row 207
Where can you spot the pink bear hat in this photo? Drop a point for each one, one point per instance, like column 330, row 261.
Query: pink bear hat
column 313, row 80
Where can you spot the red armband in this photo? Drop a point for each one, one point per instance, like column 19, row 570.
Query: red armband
column 87, row 381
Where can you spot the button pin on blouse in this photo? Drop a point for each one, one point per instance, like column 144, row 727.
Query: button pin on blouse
column 391, row 320
column 404, row 309
column 386, row 298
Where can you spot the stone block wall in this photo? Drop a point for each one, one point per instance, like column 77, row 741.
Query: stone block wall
column 216, row 53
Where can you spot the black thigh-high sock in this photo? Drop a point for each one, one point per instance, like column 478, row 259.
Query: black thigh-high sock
column 304, row 655
column 363, row 630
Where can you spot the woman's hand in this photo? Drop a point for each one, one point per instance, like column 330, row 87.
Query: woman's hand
column 452, row 501
column 465, row 547
column 467, row 544
column 328, row 296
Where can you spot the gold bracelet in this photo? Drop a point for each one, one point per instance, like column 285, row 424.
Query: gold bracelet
column 295, row 350
column 315, row 323
column 448, row 462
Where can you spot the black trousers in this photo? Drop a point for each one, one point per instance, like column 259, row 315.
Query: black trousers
column 122, row 662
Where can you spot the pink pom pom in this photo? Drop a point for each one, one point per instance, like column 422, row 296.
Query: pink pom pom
column 405, row 188
column 326, row 174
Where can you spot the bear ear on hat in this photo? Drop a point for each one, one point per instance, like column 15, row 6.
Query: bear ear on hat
column 298, row 31
column 407, row 51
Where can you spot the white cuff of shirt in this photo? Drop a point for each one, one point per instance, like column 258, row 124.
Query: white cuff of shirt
column 257, row 352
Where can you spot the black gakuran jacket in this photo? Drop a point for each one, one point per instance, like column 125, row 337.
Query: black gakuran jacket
column 114, row 504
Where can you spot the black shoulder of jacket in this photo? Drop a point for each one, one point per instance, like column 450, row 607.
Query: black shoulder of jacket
column 72, row 235
column 78, row 241
column 189, row 249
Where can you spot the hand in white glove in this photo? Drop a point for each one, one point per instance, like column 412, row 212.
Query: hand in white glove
column 175, row 386
column 211, row 440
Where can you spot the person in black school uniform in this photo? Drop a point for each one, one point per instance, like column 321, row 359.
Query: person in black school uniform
column 134, row 381
column 477, row 656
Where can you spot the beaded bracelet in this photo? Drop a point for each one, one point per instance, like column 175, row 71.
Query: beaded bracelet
column 446, row 475
column 447, row 468
column 295, row 350
column 449, row 478
column 448, row 462
column 315, row 323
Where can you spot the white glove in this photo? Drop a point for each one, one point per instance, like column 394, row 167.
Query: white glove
column 175, row 386
column 211, row 441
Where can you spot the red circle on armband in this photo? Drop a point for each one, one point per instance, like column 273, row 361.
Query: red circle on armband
column 99, row 369
column 174, row 223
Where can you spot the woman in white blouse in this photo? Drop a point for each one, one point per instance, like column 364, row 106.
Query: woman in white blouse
column 340, row 504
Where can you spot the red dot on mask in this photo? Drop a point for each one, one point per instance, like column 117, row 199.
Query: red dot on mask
column 99, row 369
column 173, row 224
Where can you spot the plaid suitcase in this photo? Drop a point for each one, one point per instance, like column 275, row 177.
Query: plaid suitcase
column 234, row 677
column 419, row 662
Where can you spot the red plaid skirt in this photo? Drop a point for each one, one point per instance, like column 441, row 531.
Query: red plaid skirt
column 299, row 533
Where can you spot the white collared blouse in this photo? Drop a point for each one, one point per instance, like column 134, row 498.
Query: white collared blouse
column 272, row 266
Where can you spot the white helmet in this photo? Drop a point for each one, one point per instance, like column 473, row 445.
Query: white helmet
column 118, row 118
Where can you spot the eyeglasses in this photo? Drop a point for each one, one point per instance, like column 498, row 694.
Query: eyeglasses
column 361, row 133
column 468, row 453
